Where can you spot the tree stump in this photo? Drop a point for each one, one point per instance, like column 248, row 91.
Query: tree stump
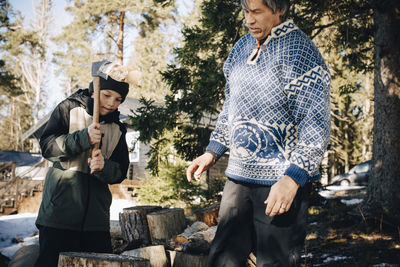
column 208, row 215
column 181, row 259
column 85, row 259
column 165, row 224
column 155, row 254
column 134, row 227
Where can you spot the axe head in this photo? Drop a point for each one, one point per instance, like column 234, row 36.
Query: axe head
column 99, row 67
column 105, row 69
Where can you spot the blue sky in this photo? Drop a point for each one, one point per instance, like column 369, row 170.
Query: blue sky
column 61, row 18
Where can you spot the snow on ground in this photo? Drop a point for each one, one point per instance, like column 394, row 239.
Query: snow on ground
column 335, row 258
column 331, row 190
column 22, row 226
column 349, row 202
column 117, row 206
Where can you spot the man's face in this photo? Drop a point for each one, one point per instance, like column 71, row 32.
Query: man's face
column 109, row 101
column 259, row 18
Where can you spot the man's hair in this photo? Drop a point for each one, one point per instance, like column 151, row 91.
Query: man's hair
column 274, row 5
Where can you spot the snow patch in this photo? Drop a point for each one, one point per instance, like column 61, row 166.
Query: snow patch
column 21, row 226
column 309, row 255
column 117, row 206
column 349, row 202
column 331, row 190
column 335, row 258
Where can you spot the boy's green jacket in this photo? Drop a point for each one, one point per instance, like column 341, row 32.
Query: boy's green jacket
column 74, row 199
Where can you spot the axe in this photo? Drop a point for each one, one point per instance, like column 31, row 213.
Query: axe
column 104, row 69
column 97, row 72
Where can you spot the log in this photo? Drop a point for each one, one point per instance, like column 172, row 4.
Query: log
column 181, row 259
column 165, row 224
column 200, row 242
column 155, row 254
column 207, row 235
column 208, row 215
column 134, row 226
column 86, row 259
column 194, row 228
column 195, row 246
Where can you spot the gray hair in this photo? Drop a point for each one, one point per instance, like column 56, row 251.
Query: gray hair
column 274, row 5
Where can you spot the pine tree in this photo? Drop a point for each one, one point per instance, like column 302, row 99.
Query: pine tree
column 7, row 79
column 25, row 57
column 153, row 49
column 196, row 82
column 96, row 32
column 99, row 30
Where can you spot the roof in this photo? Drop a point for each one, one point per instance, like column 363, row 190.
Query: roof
column 20, row 158
column 125, row 110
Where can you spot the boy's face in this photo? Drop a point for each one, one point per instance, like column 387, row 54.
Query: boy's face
column 109, row 101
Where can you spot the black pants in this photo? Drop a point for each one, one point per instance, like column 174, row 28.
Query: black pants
column 244, row 227
column 53, row 241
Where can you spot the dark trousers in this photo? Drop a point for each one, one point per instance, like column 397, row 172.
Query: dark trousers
column 244, row 227
column 53, row 241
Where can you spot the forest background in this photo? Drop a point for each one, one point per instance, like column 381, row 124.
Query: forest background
column 180, row 52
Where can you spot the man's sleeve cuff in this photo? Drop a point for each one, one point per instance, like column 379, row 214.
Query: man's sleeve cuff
column 218, row 148
column 298, row 174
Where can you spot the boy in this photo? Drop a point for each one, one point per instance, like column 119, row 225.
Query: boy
column 74, row 214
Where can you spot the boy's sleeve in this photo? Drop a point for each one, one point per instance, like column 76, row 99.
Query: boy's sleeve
column 116, row 167
column 56, row 143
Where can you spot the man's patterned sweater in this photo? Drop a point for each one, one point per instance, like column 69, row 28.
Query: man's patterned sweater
column 276, row 115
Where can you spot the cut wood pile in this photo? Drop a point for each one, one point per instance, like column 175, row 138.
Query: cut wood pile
column 151, row 236
column 164, row 236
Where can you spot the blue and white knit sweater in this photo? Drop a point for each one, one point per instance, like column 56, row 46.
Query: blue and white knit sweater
column 276, row 115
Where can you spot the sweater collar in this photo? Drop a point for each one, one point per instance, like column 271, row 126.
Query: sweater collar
column 279, row 31
column 283, row 29
column 276, row 32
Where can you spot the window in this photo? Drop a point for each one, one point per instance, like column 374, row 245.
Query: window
column 363, row 167
column 133, row 146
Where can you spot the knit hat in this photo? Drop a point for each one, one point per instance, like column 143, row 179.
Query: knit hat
column 110, row 84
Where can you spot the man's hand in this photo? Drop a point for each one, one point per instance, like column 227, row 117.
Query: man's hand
column 96, row 163
column 281, row 196
column 199, row 165
column 94, row 133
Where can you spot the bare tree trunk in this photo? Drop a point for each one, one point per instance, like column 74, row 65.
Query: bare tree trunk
column 120, row 40
column 383, row 198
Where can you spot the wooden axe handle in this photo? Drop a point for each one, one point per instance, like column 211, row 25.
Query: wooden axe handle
column 96, row 105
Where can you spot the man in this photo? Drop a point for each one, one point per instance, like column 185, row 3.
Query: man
column 276, row 123
column 74, row 214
